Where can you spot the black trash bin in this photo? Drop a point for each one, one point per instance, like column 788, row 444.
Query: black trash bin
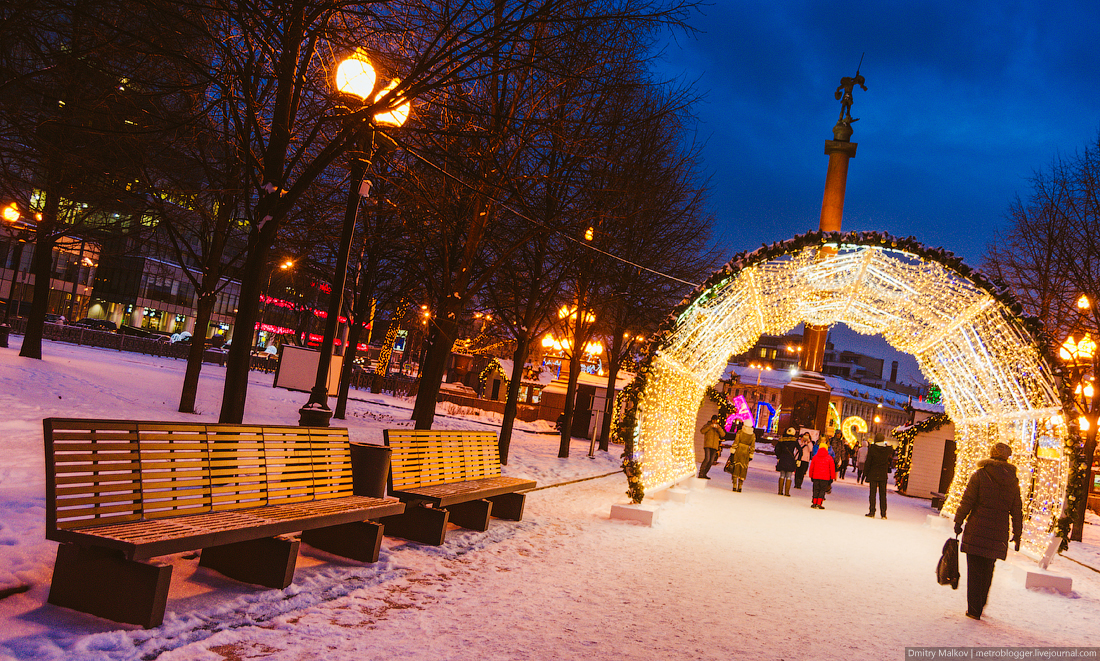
column 4, row 330
column 370, row 468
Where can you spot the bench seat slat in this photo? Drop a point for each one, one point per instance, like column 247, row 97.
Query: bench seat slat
column 146, row 539
column 443, row 495
column 447, row 467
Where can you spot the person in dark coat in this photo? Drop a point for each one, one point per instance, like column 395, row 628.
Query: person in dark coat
column 785, row 451
column 712, row 445
column 990, row 502
column 840, row 453
column 822, row 472
column 876, row 471
column 805, row 453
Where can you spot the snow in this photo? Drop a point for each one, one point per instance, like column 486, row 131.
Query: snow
column 749, row 575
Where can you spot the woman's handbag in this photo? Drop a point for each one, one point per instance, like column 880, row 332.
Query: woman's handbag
column 729, row 464
column 947, row 569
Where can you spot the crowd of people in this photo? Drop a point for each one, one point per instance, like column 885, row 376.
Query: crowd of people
column 990, row 506
column 799, row 456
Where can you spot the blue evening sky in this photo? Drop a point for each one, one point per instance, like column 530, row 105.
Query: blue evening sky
column 965, row 101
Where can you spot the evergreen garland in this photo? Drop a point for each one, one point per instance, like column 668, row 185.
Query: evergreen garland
column 725, row 407
column 626, row 420
column 493, row 366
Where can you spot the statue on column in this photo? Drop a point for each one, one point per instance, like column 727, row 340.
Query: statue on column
column 845, row 96
column 843, row 129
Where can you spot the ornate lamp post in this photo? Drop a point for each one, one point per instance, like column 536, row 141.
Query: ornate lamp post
column 356, row 79
column 21, row 231
column 1079, row 357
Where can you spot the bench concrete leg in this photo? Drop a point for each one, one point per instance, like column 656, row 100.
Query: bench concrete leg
column 418, row 523
column 268, row 562
column 359, row 541
column 509, row 506
column 104, row 583
column 473, row 514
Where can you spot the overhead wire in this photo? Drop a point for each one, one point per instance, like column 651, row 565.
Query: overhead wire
column 559, row 232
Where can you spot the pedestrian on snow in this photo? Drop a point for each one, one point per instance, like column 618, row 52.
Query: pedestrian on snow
column 840, row 452
column 876, row 470
column 991, row 500
column 712, row 438
column 785, row 451
column 822, row 472
column 805, row 453
column 861, row 459
column 743, row 449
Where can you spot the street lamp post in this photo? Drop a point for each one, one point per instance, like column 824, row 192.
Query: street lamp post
column 21, row 232
column 354, row 77
column 1079, row 357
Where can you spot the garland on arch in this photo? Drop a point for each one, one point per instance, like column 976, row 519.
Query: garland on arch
column 907, row 436
column 725, row 406
column 741, row 261
column 493, row 366
column 626, row 421
column 1077, row 487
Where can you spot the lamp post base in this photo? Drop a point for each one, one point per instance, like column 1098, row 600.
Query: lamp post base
column 314, row 417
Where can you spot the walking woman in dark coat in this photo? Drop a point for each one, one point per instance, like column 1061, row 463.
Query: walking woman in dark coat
column 991, row 500
column 785, row 451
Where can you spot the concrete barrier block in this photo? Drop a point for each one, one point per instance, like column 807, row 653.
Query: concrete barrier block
column 643, row 513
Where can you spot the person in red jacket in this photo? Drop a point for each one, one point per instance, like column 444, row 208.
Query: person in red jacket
column 822, row 472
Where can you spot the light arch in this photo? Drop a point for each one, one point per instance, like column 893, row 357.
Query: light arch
column 965, row 333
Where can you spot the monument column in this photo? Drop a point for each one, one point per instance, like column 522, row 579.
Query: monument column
column 805, row 400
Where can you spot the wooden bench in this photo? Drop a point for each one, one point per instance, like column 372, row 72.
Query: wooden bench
column 120, row 492
column 448, row 476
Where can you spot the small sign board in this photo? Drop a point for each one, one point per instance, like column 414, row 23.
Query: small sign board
column 298, row 370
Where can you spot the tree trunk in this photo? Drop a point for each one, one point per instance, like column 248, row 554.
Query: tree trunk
column 512, row 403
column 194, row 357
column 362, row 310
column 235, row 391
column 439, row 348
column 615, row 356
column 1078, row 528
column 346, row 368
column 40, row 267
column 570, row 400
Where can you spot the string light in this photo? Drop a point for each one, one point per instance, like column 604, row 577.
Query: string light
column 996, row 383
column 850, row 426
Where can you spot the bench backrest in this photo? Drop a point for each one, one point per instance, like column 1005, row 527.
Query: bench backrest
column 114, row 471
column 426, row 457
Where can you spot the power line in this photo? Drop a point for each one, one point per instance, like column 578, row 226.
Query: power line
column 520, row 214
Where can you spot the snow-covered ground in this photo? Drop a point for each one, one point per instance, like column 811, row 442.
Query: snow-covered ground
column 749, row 575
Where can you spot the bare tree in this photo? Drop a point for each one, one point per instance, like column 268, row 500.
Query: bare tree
column 80, row 108
column 1050, row 257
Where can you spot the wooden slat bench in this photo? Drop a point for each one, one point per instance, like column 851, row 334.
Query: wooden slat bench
column 445, row 475
column 119, row 492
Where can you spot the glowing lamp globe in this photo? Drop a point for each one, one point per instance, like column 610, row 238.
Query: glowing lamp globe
column 355, row 75
column 11, row 213
column 395, row 116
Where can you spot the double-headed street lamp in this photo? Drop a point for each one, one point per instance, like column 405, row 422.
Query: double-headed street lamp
column 1079, row 356
column 355, row 78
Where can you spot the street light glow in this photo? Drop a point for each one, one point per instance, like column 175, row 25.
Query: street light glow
column 11, row 213
column 395, row 116
column 355, row 75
